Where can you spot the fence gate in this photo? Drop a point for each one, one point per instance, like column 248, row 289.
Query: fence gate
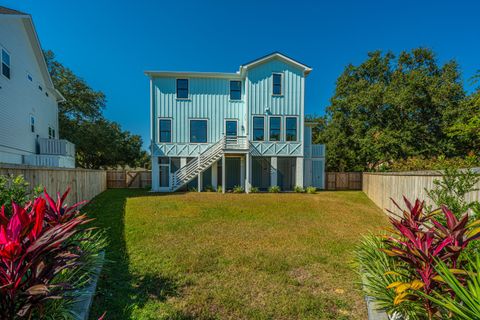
column 128, row 179
column 344, row 181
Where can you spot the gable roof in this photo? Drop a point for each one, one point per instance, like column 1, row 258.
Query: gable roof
column 37, row 48
column 276, row 55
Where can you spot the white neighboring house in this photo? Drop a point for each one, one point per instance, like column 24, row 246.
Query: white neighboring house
column 28, row 100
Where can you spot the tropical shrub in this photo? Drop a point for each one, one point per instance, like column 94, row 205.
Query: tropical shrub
column 311, row 190
column 254, row 190
column 33, row 252
column 299, row 189
column 419, row 240
column 16, row 189
column 238, row 189
column 274, row 189
column 464, row 303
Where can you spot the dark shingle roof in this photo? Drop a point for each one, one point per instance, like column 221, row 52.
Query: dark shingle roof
column 4, row 10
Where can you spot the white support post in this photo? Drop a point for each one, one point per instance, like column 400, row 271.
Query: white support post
column 155, row 174
column 200, row 178
column 215, row 175
column 242, row 172
column 183, row 162
column 273, row 172
column 223, row 174
column 299, row 172
column 248, row 176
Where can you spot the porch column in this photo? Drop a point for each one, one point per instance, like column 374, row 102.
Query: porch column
column 215, row 175
column 155, row 174
column 199, row 180
column 242, row 172
column 299, row 172
column 273, row 172
column 248, row 176
column 223, row 174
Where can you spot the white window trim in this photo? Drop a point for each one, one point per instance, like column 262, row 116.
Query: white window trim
column 264, row 127
column 285, row 131
column 281, row 125
column 225, row 125
column 158, row 129
column 208, row 133
column 282, row 82
column 230, row 90
column 1, row 62
column 188, row 89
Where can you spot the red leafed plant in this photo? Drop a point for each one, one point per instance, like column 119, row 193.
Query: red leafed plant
column 420, row 241
column 34, row 248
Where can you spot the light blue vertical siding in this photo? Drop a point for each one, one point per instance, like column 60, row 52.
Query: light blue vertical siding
column 209, row 99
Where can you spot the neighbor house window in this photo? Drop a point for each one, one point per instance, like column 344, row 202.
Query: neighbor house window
column 32, row 123
column 235, row 90
column 198, row 131
column 275, row 125
column 49, row 133
column 165, row 130
column 5, row 63
column 182, row 88
column 29, row 77
column 277, row 84
column 291, row 129
column 258, row 128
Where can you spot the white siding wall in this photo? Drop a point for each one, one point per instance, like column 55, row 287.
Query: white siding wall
column 20, row 97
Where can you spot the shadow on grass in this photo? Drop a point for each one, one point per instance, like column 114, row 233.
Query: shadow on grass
column 119, row 292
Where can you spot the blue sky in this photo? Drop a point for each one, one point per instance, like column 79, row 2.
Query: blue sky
column 110, row 43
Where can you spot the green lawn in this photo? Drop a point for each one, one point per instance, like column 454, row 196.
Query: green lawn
column 233, row 256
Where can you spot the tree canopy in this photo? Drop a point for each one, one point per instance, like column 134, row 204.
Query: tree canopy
column 392, row 107
column 99, row 143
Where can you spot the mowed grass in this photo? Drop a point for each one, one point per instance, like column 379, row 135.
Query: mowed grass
column 232, row 256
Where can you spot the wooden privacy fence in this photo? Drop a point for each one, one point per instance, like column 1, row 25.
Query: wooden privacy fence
column 343, row 181
column 84, row 184
column 380, row 187
column 128, row 179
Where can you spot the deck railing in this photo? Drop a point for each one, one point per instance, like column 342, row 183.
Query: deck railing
column 56, row 147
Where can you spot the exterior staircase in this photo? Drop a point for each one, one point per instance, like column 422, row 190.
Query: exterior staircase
column 208, row 157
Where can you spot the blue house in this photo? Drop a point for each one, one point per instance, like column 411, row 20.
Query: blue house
column 246, row 128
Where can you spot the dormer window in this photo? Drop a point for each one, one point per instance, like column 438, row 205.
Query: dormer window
column 182, row 88
column 277, row 85
column 5, row 64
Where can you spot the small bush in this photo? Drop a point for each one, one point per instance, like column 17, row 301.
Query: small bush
column 254, row 190
column 209, row 188
column 299, row 189
column 219, row 189
column 193, row 189
column 16, row 189
column 238, row 189
column 311, row 190
column 274, row 189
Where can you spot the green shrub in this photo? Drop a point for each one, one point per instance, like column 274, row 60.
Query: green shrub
column 299, row 189
column 274, row 189
column 254, row 190
column 311, row 190
column 238, row 189
column 193, row 189
column 219, row 189
column 209, row 188
column 16, row 189
column 436, row 163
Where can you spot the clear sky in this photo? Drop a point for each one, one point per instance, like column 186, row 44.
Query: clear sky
column 110, row 43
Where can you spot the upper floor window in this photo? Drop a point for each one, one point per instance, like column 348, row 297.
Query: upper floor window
column 277, row 84
column 165, row 130
column 258, row 128
column 51, row 133
column 5, row 63
column 235, row 90
column 32, row 123
column 291, row 128
column 182, row 88
column 198, row 131
column 29, row 77
column 275, row 126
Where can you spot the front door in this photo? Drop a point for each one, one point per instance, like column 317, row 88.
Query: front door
column 231, row 128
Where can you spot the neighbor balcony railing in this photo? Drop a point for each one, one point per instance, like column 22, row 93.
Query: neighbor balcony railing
column 56, row 147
